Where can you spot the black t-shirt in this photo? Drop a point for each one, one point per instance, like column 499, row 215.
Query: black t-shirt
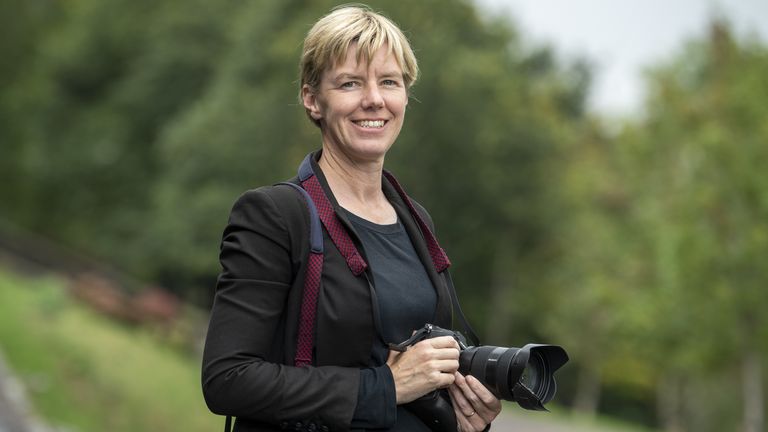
column 405, row 295
column 406, row 301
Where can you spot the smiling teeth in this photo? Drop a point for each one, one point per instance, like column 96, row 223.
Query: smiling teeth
column 371, row 123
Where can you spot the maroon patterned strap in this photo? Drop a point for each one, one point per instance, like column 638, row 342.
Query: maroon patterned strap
column 306, row 338
column 320, row 207
column 309, row 310
column 439, row 257
column 336, row 230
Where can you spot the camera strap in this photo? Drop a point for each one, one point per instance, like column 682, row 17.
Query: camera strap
column 321, row 211
column 339, row 234
column 312, row 278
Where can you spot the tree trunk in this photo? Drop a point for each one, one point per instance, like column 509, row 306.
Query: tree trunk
column 587, row 398
column 752, row 385
column 669, row 403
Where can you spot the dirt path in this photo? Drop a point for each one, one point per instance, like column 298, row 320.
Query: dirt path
column 14, row 409
column 522, row 421
column 510, row 423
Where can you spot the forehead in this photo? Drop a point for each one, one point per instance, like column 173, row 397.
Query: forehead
column 383, row 61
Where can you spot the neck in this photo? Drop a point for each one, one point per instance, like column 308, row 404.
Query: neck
column 348, row 178
column 357, row 186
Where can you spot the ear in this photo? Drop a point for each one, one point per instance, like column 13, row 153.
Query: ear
column 309, row 99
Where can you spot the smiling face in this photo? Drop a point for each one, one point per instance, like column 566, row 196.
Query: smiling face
column 360, row 105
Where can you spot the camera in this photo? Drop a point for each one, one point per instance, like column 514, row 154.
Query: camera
column 523, row 375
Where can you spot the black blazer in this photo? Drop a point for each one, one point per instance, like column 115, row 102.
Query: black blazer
column 248, row 367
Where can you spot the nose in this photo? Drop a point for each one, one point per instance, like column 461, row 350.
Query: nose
column 372, row 98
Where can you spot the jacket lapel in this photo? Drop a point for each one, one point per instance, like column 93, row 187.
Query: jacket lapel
column 442, row 316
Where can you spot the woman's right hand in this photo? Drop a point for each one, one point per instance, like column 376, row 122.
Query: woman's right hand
column 424, row 367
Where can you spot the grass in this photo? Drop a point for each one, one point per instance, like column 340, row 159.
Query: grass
column 88, row 373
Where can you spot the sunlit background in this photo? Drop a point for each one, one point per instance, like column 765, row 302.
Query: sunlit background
column 595, row 169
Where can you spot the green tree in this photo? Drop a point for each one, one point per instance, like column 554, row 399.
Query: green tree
column 704, row 202
column 24, row 24
column 479, row 126
column 104, row 84
column 660, row 270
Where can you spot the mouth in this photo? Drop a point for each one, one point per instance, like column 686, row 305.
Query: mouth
column 371, row 124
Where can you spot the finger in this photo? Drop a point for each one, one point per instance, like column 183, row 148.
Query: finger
column 484, row 412
column 484, row 395
column 476, row 422
column 426, row 349
column 460, row 402
column 393, row 355
column 446, row 354
column 460, row 398
column 443, row 342
column 467, row 420
column 441, row 380
column 446, row 366
column 465, row 409
column 463, row 425
column 468, row 392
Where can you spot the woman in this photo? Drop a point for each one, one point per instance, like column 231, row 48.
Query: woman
column 356, row 69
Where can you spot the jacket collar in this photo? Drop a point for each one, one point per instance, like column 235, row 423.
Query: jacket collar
column 443, row 314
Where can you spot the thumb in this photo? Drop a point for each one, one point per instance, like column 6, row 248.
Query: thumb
column 393, row 356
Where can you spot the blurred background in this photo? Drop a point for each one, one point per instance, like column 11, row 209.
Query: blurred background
column 593, row 169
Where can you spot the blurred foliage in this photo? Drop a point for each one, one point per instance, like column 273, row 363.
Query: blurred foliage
column 84, row 372
column 130, row 127
column 699, row 192
column 661, row 276
column 140, row 122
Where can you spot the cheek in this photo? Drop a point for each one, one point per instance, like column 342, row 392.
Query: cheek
column 397, row 104
column 338, row 107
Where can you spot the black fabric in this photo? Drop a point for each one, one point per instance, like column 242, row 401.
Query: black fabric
column 406, row 300
column 376, row 400
column 250, row 345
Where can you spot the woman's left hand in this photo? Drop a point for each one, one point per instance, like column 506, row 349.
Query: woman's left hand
column 475, row 405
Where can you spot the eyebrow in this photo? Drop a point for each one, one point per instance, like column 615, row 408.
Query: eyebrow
column 392, row 74
column 347, row 75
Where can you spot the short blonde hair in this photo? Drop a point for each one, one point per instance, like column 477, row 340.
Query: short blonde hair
column 329, row 39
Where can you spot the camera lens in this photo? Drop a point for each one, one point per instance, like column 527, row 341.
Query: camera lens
column 536, row 376
column 532, row 373
column 493, row 366
column 523, row 375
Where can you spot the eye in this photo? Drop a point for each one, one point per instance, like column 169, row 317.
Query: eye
column 350, row 85
column 390, row 83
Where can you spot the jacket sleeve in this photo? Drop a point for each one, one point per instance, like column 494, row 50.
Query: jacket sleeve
column 251, row 293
